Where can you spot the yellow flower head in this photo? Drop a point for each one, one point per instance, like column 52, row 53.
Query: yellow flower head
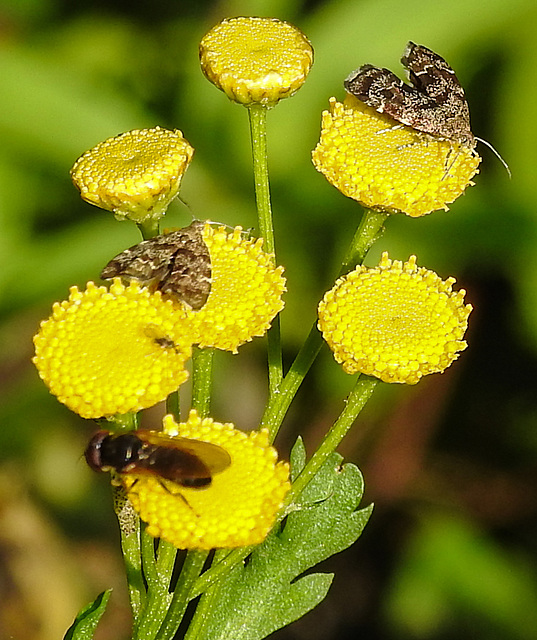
column 246, row 291
column 389, row 167
column 397, row 321
column 136, row 174
column 256, row 60
column 239, row 506
column 105, row 352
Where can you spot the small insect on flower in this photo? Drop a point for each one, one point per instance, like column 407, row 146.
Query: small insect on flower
column 165, row 342
column 176, row 263
column 434, row 103
column 183, row 461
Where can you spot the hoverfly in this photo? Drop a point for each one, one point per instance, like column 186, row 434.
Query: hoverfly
column 186, row 462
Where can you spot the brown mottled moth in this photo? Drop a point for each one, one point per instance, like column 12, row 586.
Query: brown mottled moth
column 434, row 103
column 176, row 263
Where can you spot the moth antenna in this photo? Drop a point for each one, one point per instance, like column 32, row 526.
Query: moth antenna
column 487, row 144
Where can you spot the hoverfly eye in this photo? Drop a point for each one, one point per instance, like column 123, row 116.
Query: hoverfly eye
column 93, row 450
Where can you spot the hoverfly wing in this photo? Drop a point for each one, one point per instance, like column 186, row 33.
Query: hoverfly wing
column 214, row 457
column 187, row 462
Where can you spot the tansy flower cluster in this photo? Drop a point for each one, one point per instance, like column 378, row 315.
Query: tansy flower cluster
column 119, row 349
column 256, row 60
column 239, row 506
column 389, row 167
column 397, row 322
column 115, row 350
column 106, row 352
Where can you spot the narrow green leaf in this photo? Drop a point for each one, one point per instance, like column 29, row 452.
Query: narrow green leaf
column 297, row 458
column 270, row 591
column 86, row 621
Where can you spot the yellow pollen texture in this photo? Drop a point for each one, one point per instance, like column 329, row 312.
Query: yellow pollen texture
column 256, row 60
column 397, row 322
column 237, row 509
column 246, row 291
column 388, row 167
column 112, row 351
column 135, row 174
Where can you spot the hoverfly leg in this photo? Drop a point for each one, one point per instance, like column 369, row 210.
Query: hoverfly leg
column 180, row 495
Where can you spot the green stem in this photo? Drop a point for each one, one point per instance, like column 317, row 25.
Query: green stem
column 122, row 422
column 258, row 132
column 149, row 561
column 190, row 571
column 219, row 569
column 148, row 229
column 130, row 546
column 202, row 372
column 369, row 230
column 155, row 611
column 166, row 554
column 163, row 611
column 173, row 405
column 279, row 402
column 158, row 574
column 203, row 614
column 356, row 401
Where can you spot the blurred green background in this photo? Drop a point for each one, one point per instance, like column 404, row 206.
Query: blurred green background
column 450, row 551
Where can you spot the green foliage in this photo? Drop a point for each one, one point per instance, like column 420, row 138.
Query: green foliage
column 452, row 567
column 271, row 590
column 86, row 621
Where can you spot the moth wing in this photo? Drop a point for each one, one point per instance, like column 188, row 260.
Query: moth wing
column 147, row 262
column 189, row 276
column 381, row 89
column 430, row 73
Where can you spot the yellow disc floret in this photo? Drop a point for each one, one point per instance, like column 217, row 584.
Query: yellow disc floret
column 239, row 506
column 397, row 321
column 256, row 60
column 112, row 351
column 389, row 167
column 246, row 291
column 136, row 174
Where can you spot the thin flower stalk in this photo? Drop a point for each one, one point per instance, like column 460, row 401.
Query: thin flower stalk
column 355, row 402
column 202, row 373
column 258, row 132
column 190, row 571
column 369, row 230
column 131, row 550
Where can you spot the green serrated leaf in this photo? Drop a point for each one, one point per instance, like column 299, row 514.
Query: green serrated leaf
column 86, row 621
column 270, row 591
